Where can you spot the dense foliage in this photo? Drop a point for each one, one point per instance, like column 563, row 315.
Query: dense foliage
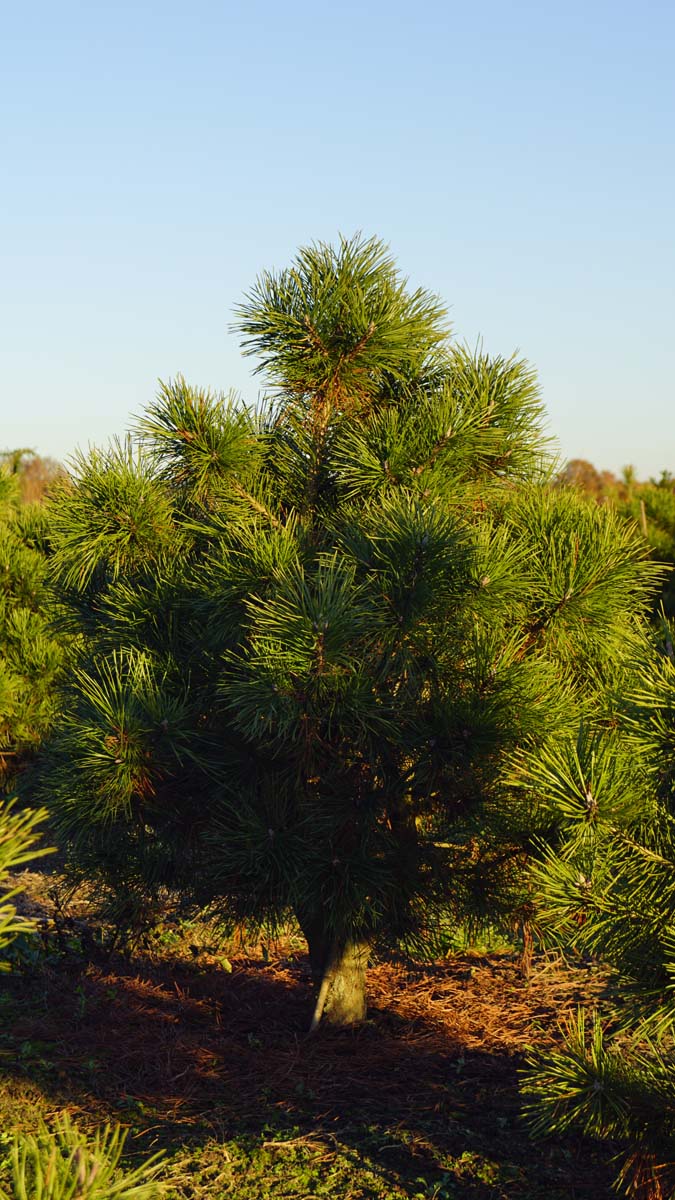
column 650, row 505
column 608, row 891
column 310, row 635
column 31, row 655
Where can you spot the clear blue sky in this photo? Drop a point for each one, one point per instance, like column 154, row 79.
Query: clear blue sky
column 518, row 157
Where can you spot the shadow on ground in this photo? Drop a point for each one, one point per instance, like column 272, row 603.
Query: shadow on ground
column 425, row 1094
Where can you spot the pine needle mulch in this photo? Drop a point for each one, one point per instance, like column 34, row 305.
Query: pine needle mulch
column 183, row 1050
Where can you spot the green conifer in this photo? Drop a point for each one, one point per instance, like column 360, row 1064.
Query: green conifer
column 607, row 891
column 309, row 633
column 31, row 656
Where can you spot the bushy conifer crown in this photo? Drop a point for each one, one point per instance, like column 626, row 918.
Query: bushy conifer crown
column 312, row 633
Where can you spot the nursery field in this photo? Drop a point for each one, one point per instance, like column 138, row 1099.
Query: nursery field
column 199, row 1047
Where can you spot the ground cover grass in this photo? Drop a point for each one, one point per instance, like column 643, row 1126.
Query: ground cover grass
column 199, row 1047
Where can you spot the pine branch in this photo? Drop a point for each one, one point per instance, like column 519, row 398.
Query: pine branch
column 361, row 344
column 440, row 446
column 256, row 505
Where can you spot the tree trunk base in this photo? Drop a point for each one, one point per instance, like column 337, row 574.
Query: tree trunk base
column 339, row 973
column 342, row 992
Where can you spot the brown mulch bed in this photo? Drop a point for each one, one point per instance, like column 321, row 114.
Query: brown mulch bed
column 186, row 1046
column 183, row 1044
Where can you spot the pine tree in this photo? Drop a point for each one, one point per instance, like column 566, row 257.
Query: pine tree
column 652, row 507
column 65, row 1164
column 607, row 891
column 309, row 633
column 18, row 837
column 31, row 656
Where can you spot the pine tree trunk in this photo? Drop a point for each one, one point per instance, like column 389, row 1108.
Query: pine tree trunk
column 339, row 971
